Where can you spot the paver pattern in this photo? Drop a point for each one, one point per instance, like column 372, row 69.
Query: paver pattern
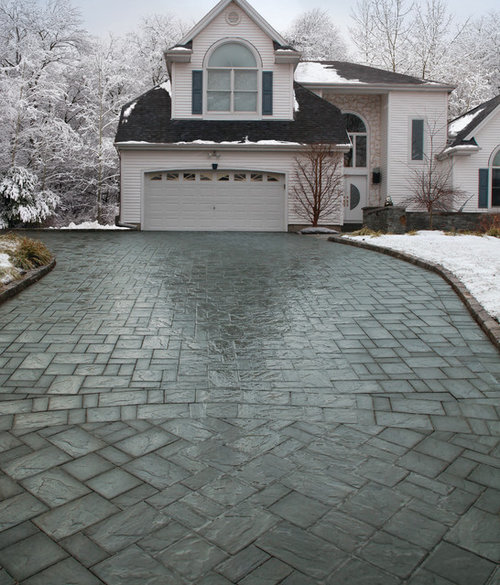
column 246, row 409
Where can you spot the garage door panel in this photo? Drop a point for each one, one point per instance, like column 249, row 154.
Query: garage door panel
column 214, row 205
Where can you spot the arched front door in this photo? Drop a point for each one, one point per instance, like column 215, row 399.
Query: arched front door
column 356, row 169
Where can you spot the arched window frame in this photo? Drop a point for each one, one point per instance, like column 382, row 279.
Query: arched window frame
column 494, row 173
column 235, row 113
column 353, row 154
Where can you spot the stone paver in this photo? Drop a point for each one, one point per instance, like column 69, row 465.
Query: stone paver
column 216, row 409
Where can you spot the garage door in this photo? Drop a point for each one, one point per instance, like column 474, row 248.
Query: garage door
column 214, row 201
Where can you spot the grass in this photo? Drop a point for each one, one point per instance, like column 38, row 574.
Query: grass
column 19, row 255
column 364, row 231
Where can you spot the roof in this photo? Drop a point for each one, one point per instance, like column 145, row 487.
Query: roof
column 148, row 119
column 344, row 72
column 245, row 6
column 461, row 130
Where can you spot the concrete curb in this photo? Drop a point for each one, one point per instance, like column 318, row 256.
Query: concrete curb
column 31, row 277
column 487, row 323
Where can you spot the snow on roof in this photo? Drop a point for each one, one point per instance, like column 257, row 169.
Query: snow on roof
column 128, row 111
column 313, row 72
column 167, row 86
column 460, row 123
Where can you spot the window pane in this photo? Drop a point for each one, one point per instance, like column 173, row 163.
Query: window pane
column 273, row 178
column 354, row 123
column 189, row 177
column 205, row 176
column 256, row 177
column 417, row 140
column 348, row 156
column 360, row 151
column 219, row 80
column 495, row 188
column 245, row 80
column 232, row 55
column 223, row 177
column 245, row 101
column 156, row 178
column 240, row 177
column 172, row 176
column 219, row 101
column 496, row 160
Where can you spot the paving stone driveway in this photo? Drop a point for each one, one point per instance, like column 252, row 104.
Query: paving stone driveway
column 247, row 409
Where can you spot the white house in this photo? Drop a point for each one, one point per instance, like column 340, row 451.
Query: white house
column 473, row 151
column 217, row 148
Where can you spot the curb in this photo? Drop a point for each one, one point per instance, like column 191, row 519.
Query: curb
column 31, row 277
column 487, row 323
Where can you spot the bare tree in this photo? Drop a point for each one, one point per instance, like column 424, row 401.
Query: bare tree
column 430, row 184
column 315, row 35
column 318, row 182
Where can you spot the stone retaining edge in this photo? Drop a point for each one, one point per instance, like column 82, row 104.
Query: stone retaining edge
column 31, row 277
column 487, row 323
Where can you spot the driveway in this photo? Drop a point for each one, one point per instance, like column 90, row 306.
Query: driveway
column 248, row 409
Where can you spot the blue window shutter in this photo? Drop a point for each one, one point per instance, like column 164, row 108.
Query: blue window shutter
column 197, row 103
column 483, row 188
column 267, row 93
column 417, row 140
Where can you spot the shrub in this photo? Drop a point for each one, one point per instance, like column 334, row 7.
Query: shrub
column 30, row 254
column 365, row 231
column 490, row 224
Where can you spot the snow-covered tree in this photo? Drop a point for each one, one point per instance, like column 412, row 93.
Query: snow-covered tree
column 22, row 200
column 316, row 36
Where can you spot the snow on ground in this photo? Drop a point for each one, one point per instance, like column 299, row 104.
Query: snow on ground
column 475, row 260
column 90, row 225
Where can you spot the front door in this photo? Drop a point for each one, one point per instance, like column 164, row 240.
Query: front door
column 354, row 198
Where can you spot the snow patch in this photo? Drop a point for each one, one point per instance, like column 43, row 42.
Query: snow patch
column 318, row 230
column 475, row 260
column 313, row 72
column 296, row 107
column 89, row 225
column 460, row 123
column 5, row 261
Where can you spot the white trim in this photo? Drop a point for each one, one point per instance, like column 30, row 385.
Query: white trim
column 219, row 8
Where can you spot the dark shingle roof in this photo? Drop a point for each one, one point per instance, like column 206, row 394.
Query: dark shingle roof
column 476, row 115
column 316, row 121
column 366, row 74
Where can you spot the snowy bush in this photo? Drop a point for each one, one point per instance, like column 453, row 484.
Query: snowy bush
column 21, row 201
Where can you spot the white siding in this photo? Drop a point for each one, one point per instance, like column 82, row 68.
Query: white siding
column 466, row 168
column 135, row 163
column 216, row 31
column 402, row 108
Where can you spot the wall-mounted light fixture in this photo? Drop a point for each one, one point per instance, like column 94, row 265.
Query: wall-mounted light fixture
column 376, row 176
column 214, row 156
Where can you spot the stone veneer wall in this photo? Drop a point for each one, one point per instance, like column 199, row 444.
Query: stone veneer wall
column 369, row 107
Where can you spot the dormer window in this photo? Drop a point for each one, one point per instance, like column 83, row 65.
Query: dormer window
column 232, row 80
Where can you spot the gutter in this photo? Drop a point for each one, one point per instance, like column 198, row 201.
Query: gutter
column 244, row 146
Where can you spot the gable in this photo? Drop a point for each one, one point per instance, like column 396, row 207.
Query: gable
column 464, row 129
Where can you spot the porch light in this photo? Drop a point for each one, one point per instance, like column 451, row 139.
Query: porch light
column 214, row 157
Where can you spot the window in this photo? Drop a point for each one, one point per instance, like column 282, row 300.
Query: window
column 156, row 178
column 417, row 140
column 172, row 176
column 240, row 177
column 256, row 177
column 232, row 84
column 356, row 129
column 206, row 176
column 223, row 177
column 495, row 181
column 189, row 177
column 273, row 178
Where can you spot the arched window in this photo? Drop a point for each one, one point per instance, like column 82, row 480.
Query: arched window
column 232, row 80
column 495, row 180
column 356, row 128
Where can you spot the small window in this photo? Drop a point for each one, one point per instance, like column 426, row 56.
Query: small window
column 206, row 176
column 189, row 177
column 172, row 176
column 155, row 178
column 273, row 178
column 256, row 177
column 417, row 140
column 239, row 177
column 223, row 177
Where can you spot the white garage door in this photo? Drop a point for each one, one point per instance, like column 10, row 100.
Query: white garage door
column 214, row 201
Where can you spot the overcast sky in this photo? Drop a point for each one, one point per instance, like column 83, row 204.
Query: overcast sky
column 120, row 16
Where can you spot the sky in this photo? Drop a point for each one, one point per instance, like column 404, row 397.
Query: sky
column 121, row 16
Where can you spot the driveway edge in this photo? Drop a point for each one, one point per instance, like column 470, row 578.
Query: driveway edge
column 31, row 277
column 487, row 323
